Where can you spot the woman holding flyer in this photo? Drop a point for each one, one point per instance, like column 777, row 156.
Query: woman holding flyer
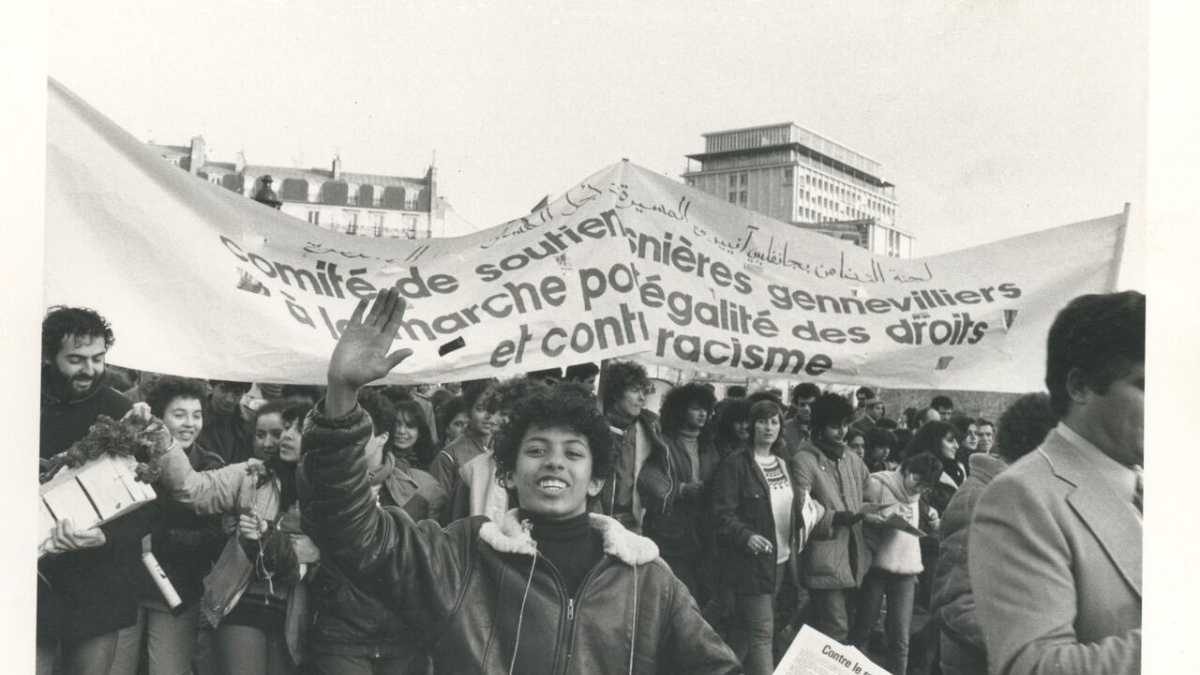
column 892, row 535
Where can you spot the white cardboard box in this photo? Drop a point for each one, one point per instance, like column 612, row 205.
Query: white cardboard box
column 93, row 494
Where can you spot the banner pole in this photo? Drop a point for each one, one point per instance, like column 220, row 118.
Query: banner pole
column 1120, row 250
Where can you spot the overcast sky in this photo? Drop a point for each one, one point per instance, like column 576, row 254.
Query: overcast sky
column 992, row 118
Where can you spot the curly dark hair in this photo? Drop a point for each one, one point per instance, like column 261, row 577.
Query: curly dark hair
column 1024, row 425
column 506, row 393
column 621, row 376
column 555, row 407
column 928, row 439
column 80, row 323
column 830, row 410
column 737, row 410
column 676, row 403
column 1101, row 336
column 805, row 390
column 165, row 389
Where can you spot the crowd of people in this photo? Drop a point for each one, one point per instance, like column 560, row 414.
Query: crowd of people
column 551, row 522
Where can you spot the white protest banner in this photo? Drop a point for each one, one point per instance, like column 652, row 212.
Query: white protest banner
column 814, row 653
column 201, row 281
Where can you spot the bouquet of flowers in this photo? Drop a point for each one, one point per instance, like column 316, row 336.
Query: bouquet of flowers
column 102, row 476
column 132, row 436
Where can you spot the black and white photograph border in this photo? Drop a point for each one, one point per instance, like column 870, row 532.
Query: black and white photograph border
column 1161, row 260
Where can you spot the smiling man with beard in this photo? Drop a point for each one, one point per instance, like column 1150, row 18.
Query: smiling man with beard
column 75, row 342
column 86, row 592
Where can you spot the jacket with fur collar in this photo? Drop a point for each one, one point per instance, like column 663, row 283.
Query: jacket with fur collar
column 477, row 594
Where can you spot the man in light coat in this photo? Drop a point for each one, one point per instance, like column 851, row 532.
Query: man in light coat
column 1055, row 550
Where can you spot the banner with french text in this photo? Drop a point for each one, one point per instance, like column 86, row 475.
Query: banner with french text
column 201, row 281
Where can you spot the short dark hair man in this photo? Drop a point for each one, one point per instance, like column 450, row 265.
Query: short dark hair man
column 944, row 405
column 872, row 412
column 547, row 376
column 987, row 435
column 583, row 373
column 1055, row 551
column 86, row 586
column 796, row 428
column 228, row 425
column 861, row 396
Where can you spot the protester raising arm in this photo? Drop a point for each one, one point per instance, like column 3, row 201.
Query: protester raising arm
column 375, row 548
column 483, row 595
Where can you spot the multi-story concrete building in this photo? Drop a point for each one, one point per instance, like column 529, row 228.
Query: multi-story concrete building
column 370, row 205
column 792, row 174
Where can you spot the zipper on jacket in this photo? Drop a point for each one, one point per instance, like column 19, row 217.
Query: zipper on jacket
column 571, row 608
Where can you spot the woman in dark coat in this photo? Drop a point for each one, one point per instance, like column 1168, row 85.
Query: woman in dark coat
column 760, row 527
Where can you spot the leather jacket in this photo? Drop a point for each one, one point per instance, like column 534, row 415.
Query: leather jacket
column 478, row 594
column 350, row 622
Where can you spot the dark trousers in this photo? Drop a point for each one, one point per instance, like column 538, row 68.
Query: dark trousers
column 899, row 590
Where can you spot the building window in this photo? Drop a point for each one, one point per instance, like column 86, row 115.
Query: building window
column 787, row 176
column 691, row 182
column 744, row 178
column 352, row 227
column 314, row 192
column 733, row 180
column 351, row 220
column 377, row 222
column 314, row 217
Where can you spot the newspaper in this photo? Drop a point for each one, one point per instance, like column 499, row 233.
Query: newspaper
column 814, row 653
column 897, row 521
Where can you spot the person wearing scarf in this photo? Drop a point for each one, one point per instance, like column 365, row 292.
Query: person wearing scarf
column 895, row 557
column 636, row 436
column 836, row 557
column 673, row 486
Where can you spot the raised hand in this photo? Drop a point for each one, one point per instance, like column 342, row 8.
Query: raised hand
column 361, row 355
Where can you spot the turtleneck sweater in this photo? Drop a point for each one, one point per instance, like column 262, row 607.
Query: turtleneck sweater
column 572, row 546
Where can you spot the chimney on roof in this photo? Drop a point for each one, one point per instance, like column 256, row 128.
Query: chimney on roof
column 337, row 167
column 197, row 156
